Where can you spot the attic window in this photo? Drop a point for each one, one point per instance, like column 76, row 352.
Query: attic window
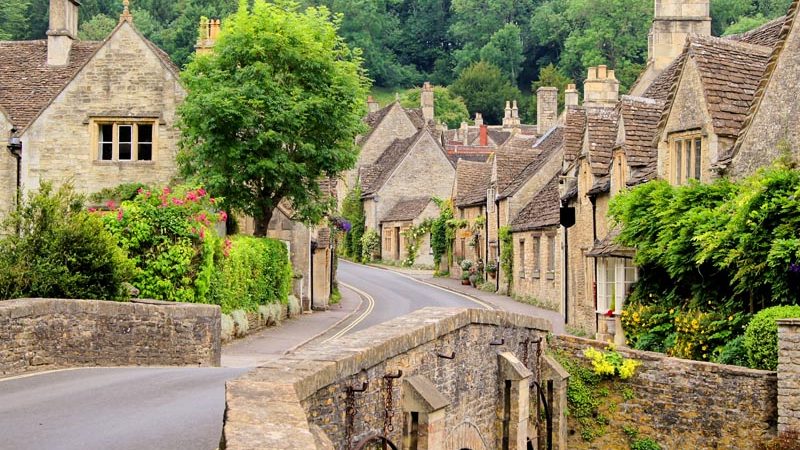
column 125, row 140
column 687, row 157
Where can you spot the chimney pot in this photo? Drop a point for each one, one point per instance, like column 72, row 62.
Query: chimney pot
column 601, row 90
column 571, row 96
column 602, row 72
column 478, row 119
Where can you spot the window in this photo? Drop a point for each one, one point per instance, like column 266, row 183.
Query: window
column 615, row 278
column 687, row 154
column 551, row 257
column 537, row 255
column 125, row 141
column 522, row 258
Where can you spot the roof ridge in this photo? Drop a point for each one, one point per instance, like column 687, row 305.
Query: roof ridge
column 699, row 38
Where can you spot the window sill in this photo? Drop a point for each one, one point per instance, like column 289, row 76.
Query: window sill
column 123, row 163
column 551, row 275
column 522, row 276
column 536, row 274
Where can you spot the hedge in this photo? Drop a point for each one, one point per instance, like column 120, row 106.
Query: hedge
column 761, row 336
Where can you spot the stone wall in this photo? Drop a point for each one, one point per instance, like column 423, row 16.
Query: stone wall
column 538, row 283
column 45, row 334
column 8, row 168
column 395, row 125
column 789, row 375
column 686, row 404
column 454, row 366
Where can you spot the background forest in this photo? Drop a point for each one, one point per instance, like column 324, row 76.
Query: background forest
column 406, row 42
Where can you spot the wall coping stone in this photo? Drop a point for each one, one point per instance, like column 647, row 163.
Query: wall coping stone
column 789, row 322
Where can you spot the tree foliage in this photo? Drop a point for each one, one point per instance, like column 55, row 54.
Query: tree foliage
column 485, row 90
column 449, row 108
column 275, row 107
column 504, row 50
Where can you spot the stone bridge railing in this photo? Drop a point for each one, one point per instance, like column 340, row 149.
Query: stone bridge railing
column 44, row 334
column 437, row 379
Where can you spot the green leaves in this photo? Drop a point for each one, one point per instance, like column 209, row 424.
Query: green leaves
column 485, row 90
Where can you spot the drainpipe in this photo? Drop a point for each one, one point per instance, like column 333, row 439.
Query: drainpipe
column 486, row 240
column 313, row 248
column 566, row 275
column 497, row 257
column 593, row 199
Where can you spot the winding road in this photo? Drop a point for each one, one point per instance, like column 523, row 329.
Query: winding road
column 173, row 408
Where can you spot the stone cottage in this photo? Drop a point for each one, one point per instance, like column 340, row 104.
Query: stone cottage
column 96, row 114
column 469, row 200
column 394, row 226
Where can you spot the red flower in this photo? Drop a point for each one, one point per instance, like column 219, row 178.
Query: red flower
column 201, row 192
column 223, row 216
column 119, row 215
column 609, row 313
column 111, row 204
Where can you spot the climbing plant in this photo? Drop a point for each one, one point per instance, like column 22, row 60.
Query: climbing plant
column 353, row 213
column 506, row 255
column 370, row 245
column 414, row 237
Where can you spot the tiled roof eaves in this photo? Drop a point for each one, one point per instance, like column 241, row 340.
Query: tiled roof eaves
column 788, row 24
column 406, row 210
column 549, row 144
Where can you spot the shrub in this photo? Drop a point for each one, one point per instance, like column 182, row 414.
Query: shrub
column 55, row 249
column 761, row 336
column 255, row 272
column 610, row 363
column 170, row 238
column 734, row 352
column 370, row 245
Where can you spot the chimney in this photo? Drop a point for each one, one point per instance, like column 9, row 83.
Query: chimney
column 507, row 116
column 464, row 133
column 514, row 114
column 209, row 31
column 484, row 136
column 546, row 109
column 601, row 87
column 571, row 96
column 426, row 101
column 478, row 119
column 674, row 21
column 62, row 32
column 372, row 105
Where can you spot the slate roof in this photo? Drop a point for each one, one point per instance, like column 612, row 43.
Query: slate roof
column 512, row 158
column 543, row 211
column 373, row 176
column 406, row 210
column 730, row 72
column 661, row 87
column 640, row 118
column 545, row 147
column 601, row 186
column 571, row 190
column 767, row 35
column 472, row 181
column 574, row 129
column 643, row 174
column 609, row 248
column 778, row 48
column 601, row 124
column 28, row 84
column 480, row 157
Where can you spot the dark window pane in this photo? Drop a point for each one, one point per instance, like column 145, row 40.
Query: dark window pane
column 125, row 134
column 678, row 162
column 106, row 133
column 145, row 152
column 698, row 157
column 146, row 133
column 687, row 145
column 106, row 151
column 124, row 152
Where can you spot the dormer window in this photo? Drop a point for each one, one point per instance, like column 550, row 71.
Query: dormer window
column 687, row 157
column 125, row 141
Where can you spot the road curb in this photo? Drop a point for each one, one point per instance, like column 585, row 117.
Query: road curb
column 339, row 322
column 473, row 297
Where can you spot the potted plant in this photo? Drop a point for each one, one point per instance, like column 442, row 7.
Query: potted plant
column 465, row 278
column 491, row 268
column 466, row 267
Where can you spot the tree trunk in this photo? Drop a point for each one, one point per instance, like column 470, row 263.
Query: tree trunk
column 262, row 224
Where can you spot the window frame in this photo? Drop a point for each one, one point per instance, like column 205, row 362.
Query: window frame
column 521, row 248
column 97, row 139
column 686, row 152
column 551, row 256
column 619, row 267
column 537, row 255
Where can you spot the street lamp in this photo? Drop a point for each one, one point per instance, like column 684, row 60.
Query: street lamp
column 15, row 148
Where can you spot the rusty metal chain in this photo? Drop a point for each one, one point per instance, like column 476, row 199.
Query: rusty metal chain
column 388, row 406
column 350, row 415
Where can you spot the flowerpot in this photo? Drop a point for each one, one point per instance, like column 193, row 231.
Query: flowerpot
column 493, row 275
column 465, row 282
column 611, row 325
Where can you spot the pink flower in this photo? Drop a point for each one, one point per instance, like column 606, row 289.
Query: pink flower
column 609, row 313
column 201, row 192
column 202, row 233
column 148, row 194
column 166, row 190
column 223, row 216
column 226, row 249
column 91, row 210
column 119, row 215
column 212, row 200
column 111, row 204
column 140, row 190
column 177, row 201
column 202, row 217
column 191, row 196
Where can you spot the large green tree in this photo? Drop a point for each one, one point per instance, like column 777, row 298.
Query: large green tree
column 449, row 108
column 504, row 50
column 485, row 90
column 274, row 108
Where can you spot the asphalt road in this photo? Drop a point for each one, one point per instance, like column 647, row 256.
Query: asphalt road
column 396, row 295
column 114, row 409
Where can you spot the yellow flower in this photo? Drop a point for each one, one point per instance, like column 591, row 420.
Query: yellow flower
column 730, row 318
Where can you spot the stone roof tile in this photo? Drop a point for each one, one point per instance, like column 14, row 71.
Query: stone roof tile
column 472, row 181
column 545, row 147
column 512, row 158
column 574, row 130
column 767, row 35
column 543, row 211
column 640, row 118
column 601, row 124
column 407, row 210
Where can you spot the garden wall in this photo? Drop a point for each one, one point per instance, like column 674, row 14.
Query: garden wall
column 683, row 404
column 45, row 334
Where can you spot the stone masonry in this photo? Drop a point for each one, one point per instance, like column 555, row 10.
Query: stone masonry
column 46, row 334
column 789, row 375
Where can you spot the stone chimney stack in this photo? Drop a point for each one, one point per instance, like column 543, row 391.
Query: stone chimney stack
column 463, row 133
column 372, row 105
column 426, row 101
column 674, row 21
column 478, row 119
column 546, row 109
column 484, row 136
column 507, row 116
column 571, row 96
column 514, row 114
column 63, row 31
column 209, row 31
column 601, row 87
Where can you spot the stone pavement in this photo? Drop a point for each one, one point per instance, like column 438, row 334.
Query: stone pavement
column 274, row 342
column 501, row 302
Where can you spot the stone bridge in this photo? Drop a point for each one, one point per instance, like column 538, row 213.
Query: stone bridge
column 436, row 379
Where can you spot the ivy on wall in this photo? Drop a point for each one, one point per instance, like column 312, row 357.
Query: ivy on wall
column 507, row 256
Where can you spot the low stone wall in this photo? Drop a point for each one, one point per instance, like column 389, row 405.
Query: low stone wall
column 240, row 323
column 685, row 404
column 462, row 377
column 45, row 334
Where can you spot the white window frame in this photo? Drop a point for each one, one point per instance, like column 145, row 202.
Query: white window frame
column 134, row 124
column 619, row 287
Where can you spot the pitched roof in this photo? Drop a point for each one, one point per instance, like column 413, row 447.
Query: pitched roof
column 571, row 190
column 643, row 174
column 608, row 247
column 778, row 47
column 374, row 119
column 373, row 176
column 730, row 71
column 472, row 181
column 574, row 130
column 601, row 186
column 767, row 35
column 480, row 157
column 640, row 118
column 543, row 211
column 661, row 87
column 406, row 209
column 512, row 158
column 28, row 84
column 601, row 127
column 551, row 142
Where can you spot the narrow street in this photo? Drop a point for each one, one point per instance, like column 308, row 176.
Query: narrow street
column 182, row 408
